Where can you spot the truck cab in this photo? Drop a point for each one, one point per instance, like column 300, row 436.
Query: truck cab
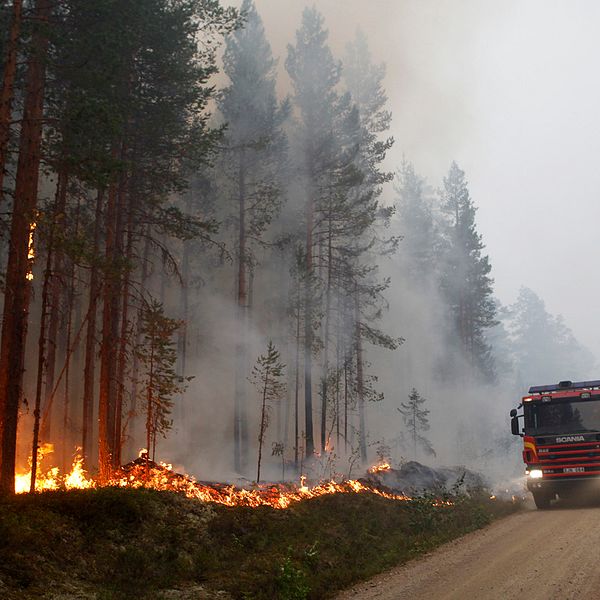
column 561, row 439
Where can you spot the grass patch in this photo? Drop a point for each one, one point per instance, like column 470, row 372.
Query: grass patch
column 115, row 543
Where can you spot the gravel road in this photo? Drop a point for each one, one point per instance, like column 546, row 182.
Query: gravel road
column 537, row 555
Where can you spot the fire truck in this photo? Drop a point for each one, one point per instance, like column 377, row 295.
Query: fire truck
column 561, row 439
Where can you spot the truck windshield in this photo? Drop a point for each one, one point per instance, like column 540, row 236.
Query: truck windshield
column 562, row 416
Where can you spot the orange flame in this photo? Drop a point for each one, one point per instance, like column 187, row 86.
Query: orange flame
column 380, row 468
column 31, row 251
column 162, row 477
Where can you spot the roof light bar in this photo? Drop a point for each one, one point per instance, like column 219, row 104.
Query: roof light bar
column 564, row 385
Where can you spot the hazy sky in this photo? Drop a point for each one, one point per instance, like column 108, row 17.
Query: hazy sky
column 510, row 91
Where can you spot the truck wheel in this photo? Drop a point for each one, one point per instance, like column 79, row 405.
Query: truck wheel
column 542, row 499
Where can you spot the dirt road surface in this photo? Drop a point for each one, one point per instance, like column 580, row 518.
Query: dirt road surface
column 537, row 555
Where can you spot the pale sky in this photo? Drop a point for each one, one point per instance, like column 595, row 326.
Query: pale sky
column 510, row 91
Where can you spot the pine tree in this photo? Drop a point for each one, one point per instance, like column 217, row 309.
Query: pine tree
column 252, row 169
column 416, row 421
column 465, row 279
column 18, row 271
column 364, row 81
column 543, row 347
column 267, row 376
column 160, row 383
column 416, row 225
column 315, row 75
column 8, row 58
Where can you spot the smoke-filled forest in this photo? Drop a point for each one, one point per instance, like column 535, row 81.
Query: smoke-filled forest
column 210, row 253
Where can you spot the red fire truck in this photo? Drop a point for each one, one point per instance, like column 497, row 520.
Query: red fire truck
column 561, row 438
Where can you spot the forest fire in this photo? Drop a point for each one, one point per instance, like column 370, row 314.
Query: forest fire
column 141, row 473
column 380, row 468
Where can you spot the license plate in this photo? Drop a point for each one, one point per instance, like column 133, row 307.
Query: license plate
column 574, row 470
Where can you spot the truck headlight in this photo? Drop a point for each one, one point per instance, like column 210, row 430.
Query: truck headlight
column 536, row 474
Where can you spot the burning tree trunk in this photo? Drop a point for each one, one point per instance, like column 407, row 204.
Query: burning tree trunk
column 8, row 88
column 18, row 270
column 41, row 359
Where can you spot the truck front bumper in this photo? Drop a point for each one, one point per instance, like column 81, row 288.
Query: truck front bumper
column 590, row 484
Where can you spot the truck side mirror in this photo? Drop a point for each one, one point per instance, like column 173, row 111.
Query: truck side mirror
column 513, row 412
column 514, row 425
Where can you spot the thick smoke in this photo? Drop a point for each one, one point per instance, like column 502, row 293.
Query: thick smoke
column 433, row 122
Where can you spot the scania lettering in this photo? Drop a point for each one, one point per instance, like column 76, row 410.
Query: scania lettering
column 561, row 439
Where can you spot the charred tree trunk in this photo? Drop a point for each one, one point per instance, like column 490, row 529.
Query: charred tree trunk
column 7, row 93
column 18, row 273
column 90, row 342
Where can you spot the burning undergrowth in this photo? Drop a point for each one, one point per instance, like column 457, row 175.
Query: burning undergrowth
column 119, row 542
column 145, row 473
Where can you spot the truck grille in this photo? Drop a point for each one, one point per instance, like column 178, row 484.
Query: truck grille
column 569, row 460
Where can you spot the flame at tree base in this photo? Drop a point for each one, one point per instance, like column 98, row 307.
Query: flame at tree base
column 142, row 473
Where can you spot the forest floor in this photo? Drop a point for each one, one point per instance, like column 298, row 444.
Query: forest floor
column 115, row 543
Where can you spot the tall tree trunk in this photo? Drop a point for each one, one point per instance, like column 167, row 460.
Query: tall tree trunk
column 308, row 331
column 149, row 413
column 90, row 342
column 18, row 273
column 67, row 424
column 124, row 337
column 338, row 368
column 108, row 345
column 297, row 382
column 360, row 380
column 54, row 300
column 325, row 376
column 7, row 93
column 66, row 428
column 41, row 359
column 182, row 341
column 132, row 413
column 263, row 424
column 239, row 426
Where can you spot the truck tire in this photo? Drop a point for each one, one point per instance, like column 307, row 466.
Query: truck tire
column 542, row 499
